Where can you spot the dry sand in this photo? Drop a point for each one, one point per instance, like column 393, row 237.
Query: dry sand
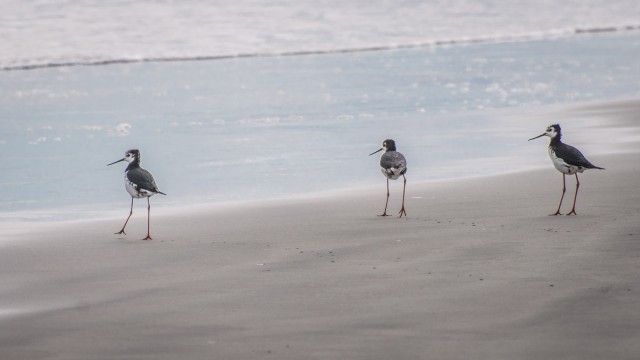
column 478, row 270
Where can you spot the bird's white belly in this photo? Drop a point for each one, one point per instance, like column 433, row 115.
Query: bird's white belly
column 392, row 173
column 561, row 165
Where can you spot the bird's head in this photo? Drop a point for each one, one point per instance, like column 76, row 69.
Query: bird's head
column 130, row 156
column 552, row 131
column 387, row 145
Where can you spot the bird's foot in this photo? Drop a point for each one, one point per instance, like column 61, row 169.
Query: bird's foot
column 121, row 232
column 556, row 214
column 572, row 212
column 148, row 237
column 385, row 214
column 402, row 211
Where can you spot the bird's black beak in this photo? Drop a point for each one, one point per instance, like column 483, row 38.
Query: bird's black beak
column 376, row 151
column 537, row 137
column 115, row 162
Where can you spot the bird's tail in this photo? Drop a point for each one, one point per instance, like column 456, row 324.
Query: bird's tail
column 160, row 192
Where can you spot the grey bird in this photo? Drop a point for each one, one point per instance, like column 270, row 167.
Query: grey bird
column 393, row 165
column 139, row 184
column 567, row 159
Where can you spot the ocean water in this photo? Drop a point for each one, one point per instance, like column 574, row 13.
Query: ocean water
column 228, row 128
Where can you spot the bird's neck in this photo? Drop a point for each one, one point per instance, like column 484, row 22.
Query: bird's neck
column 134, row 164
column 555, row 141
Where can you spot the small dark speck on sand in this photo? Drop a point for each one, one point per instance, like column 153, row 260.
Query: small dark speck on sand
column 551, row 285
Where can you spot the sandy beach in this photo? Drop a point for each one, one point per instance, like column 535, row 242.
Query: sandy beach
column 478, row 270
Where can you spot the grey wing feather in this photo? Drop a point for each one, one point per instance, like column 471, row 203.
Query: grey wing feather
column 393, row 159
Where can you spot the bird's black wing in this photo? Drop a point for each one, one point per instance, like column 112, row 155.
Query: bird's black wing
column 143, row 179
column 573, row 156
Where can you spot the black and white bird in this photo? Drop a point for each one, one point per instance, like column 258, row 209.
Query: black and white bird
column 567, row 159
column 139, row 184
column 393, row 165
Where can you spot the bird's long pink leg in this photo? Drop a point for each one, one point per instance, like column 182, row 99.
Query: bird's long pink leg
column 125, row 223
column 148, row 220
column 573, row 209
column 564, row 189
column 387, row 203
column 404, row 186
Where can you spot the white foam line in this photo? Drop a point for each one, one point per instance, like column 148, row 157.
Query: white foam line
column 444, row 42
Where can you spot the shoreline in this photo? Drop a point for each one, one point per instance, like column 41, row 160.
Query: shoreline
column 608, row 116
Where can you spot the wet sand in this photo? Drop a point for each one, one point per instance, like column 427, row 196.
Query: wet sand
column 478, row 270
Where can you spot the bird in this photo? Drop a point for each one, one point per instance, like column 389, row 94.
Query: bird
column 139, row 183
column 566, row 159
column 393, row 165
